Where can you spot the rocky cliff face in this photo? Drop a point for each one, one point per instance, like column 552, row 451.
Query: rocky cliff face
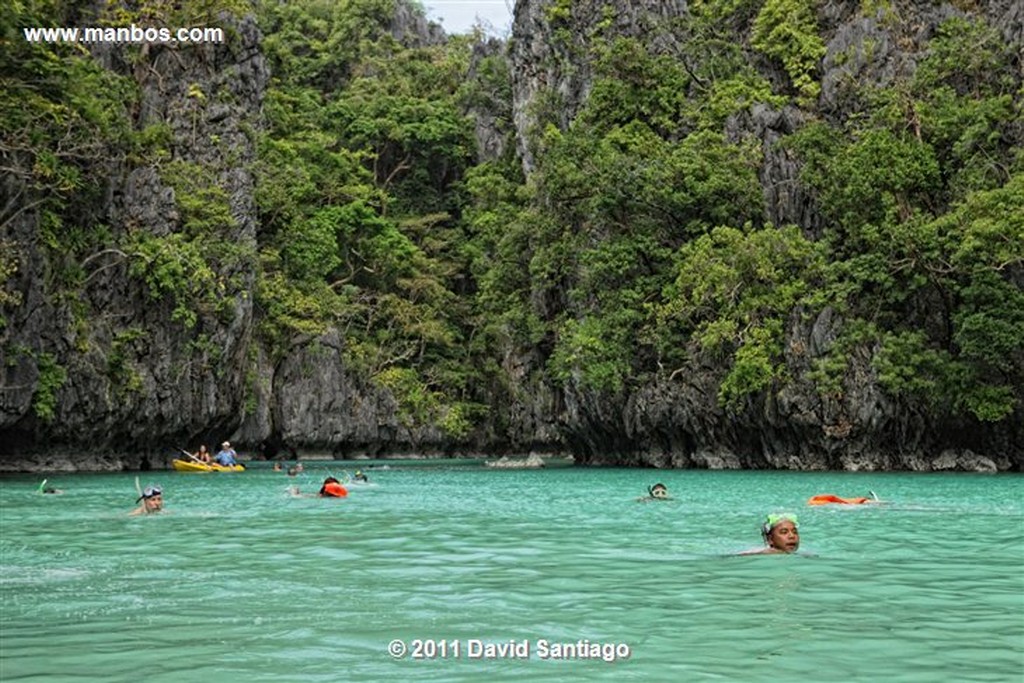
column 137, row 382
column 551, row 75
column 136, row 379
column 678, row 423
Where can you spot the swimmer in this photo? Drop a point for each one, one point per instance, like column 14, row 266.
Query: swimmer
column 359, row 476
column 277, row 467
column 831, row 498
column 657, row 492
column 331, row 488
column 294, row 469
column 43, row 488
column 152, row 499
column 781, row 535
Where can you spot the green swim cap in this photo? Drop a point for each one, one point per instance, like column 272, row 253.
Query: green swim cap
column 772, row 520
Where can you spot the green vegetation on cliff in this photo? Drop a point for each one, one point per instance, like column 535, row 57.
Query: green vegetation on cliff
column 359, row 189
column 638, row 246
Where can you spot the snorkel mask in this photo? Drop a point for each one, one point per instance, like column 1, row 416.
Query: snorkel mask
column 658, row 491
column 150, row 492
column 771, row 520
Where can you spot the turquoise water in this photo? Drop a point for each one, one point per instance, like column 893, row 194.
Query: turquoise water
column 241, row 582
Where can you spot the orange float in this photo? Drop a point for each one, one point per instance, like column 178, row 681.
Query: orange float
column 333, row 490
column 831, row 499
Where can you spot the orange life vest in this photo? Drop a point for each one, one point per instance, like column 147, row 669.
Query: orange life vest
column 334, row 490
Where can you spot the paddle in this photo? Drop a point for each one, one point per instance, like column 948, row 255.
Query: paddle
column 192, row 456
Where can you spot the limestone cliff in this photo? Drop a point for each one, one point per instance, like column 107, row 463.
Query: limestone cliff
column 128, row 381
column 137, row 378
column 677, row 421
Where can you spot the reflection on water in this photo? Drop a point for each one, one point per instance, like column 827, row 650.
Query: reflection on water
column 241, row 581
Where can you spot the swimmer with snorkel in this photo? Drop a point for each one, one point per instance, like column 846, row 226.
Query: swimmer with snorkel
column 152, row 499
column 43, row 488
column 657, row 492
column 781, row 535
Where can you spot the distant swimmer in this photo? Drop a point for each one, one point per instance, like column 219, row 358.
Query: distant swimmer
column 294, row 469
column 359, row 476
column 43, row 488
column 657, row 492
column 832, row 499
column 152, row 500
column 277, row 467
column 332, row 488
column 780, row 533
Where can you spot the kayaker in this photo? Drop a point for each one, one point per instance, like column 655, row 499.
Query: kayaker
column 202, row 455
column 657, row 492
column 780, row 533
column 152, row 499
column 226, row 456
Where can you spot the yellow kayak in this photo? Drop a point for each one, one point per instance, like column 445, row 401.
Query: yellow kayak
column 189, row 466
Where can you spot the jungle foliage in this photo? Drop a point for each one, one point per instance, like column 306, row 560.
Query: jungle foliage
column 638, row 243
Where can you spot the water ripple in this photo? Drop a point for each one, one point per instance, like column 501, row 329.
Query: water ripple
column 242, row 582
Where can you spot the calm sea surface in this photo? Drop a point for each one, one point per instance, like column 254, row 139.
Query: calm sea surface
column 241, row 582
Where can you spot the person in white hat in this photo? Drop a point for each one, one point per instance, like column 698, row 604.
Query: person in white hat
column 226, row 456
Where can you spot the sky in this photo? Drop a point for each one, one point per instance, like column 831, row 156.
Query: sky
column 458, row 16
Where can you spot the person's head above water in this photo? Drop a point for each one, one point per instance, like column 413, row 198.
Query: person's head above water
column 152, row 499
column 659, row 490
column 781, row 533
